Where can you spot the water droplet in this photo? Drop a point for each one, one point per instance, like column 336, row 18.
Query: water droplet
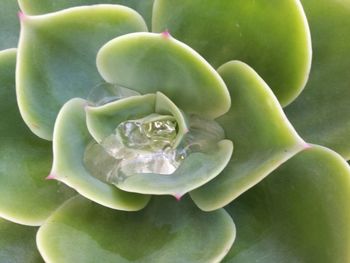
column 152, row 133
column 146, row 146
column 98, row 162
column 202, row 136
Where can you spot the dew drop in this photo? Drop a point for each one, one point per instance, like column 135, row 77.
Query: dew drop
column 145, row 146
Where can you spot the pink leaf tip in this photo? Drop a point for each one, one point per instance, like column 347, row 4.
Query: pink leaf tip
column 21, row 15
column 177, row 197
column 307, row 146
column 51, row 176
column 166, row 34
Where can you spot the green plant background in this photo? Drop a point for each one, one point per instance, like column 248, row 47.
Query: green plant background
column 281, row 198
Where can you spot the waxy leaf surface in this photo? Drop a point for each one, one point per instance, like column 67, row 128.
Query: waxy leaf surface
column 149, row 62
column 9, row 24
column 321, row 113
column 37, row 7
column 56, row 58
column 17, row 243
column 299, row 213
column 25, row 196
column 165, row 231
column 71, row 137
column 272, row 36
column 197, row 169
column 263, row 137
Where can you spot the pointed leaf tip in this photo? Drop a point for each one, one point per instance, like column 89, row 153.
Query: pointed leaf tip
column 21, row 16
column 178, row 197
column 51, row 176
column 306, row 146
column 76, row 78
column 166, row 34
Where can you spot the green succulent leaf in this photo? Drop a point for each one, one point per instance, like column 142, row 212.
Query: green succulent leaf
column 264, row 138
column 102, row 121
column 71, row 137
column 321, row 113
column 17, row 243
column 197, row 169
column 25, row 196
column 165, row 106
column 165, row 231
column 271, row 36
column 148, row 62
column 37, row 7
column 9, row 24
column 56, row 58
column 300, row 213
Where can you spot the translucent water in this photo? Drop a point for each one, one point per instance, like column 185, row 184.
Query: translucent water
column 154, row 132
column 145, row 146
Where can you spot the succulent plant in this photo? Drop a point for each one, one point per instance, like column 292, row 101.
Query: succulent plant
column 174, row 131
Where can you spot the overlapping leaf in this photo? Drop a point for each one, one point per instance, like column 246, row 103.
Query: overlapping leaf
column 300, row 213
column 37, row 7
column 270, row 36
column 25, row 160
column 321, row 113
column 165, row 231
column 17, row 243
column 263, row 137
column 71, row 137
column 57, row 53
column 9, row 24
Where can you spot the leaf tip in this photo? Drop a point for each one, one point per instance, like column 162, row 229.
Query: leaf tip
column 178, row 197
column 165, row 34
column 51, row 176
column 306, row 146
column 21, row 16
column 86, row 107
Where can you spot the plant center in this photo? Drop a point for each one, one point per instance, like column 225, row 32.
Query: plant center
column 147, row 146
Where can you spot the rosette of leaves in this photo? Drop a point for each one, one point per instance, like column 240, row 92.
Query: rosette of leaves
column 277, row 197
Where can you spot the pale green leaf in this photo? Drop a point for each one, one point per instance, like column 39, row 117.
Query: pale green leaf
column 71, row 137
column 165, row 231
column 263, row 137
column 56, row 58
column 25, row 160
column 300, row 213
column 272, row 36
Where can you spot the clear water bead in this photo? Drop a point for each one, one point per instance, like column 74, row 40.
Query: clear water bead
column 152, row 133
column 146, row 146
column 98, row 162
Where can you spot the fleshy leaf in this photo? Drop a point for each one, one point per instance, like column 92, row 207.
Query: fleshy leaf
column 148, row 62
column 321, row 113
column 36, row 7
column 165, row 106
column 102, row 121
column 17, row 243
column 25, row 196
column 165, row 231
column 71, row 137
column 271, row 36
column 56, row 58
column 9, row 25
column 300, row 213
column 263, row 137
column 197, row 169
